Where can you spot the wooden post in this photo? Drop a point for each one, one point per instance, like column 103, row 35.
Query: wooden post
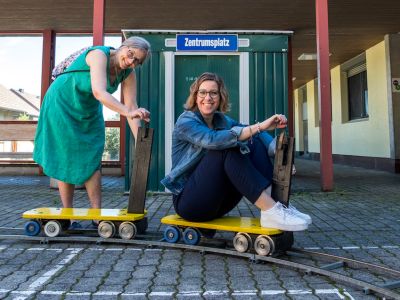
column 122, row 133
column 324, row 92
column 98, row 22
column 48, row 57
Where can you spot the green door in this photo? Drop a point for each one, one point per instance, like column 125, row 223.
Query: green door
column 189, row 67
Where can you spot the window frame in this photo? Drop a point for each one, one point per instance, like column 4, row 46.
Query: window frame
column 349, row 69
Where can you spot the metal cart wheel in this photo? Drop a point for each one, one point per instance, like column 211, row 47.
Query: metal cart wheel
column 263, row 245
column 106, row 229
column 32, row 228
column 272, row 244
column 52, row 228
column 242, row 242
column 127, row 230
column 191, row 236
column 172, row 234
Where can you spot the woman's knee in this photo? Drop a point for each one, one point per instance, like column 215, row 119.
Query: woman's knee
column 233, row 154
column 221, row 154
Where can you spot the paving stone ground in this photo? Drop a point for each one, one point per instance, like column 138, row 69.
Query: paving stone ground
column 359, row 219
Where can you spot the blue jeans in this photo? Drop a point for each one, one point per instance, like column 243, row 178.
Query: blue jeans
column 221, row 179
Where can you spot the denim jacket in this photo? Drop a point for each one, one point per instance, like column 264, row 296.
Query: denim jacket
column 191, row 140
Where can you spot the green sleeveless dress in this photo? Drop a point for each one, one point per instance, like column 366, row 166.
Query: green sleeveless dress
column 70, row 135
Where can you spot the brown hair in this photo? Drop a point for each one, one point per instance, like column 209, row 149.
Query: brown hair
column 224, row 97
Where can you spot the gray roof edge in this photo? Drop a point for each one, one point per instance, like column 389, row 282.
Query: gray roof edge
column 24, row 99
column 10, row 109
column 172, row 31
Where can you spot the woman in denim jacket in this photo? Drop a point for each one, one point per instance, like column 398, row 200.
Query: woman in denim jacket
column 216, row 161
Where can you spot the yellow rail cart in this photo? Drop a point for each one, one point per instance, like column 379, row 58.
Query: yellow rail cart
column 249, row 233
column 126, row 221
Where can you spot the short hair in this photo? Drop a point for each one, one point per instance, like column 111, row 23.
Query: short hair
column 224, row 104
column 138, row 43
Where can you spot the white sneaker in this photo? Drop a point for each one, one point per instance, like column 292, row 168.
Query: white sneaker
column 282, row 218
column 304, row 216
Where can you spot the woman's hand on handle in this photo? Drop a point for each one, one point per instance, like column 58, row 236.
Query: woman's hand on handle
column 280, row 121
column 140, row 113
column 276, row 121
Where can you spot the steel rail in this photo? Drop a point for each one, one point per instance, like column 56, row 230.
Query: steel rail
column 380, row 291
column 352, row 263
column 365, row 286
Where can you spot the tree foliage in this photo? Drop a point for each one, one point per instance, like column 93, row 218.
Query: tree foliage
column 112, row 143
column 23, row 117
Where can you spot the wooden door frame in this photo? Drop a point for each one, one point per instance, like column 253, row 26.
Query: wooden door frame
column 244, row 92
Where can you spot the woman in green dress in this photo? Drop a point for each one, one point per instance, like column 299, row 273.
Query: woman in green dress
column 70, row 137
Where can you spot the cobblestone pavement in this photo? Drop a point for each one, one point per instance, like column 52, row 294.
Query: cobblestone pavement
column 360, row 219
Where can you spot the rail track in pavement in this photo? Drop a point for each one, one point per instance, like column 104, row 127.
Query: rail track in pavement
column 319, row 263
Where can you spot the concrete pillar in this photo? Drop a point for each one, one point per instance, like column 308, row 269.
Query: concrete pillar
column 290, row 90
column 392, row 43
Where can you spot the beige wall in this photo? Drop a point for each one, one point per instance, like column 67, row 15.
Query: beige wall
column 298, row 128
column 313, row 112
column 366, row 137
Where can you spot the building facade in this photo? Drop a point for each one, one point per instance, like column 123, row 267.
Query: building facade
column 365, row 110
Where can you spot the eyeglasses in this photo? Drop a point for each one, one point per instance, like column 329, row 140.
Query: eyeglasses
column 131, row 55
column 203, row 93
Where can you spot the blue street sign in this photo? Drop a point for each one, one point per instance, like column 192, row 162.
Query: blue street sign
column 206, row 42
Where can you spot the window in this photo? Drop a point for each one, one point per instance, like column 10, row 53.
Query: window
column 354, row 89
column 20, row 61
column 357, row 92
column 20, row 77
column 112, row 145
